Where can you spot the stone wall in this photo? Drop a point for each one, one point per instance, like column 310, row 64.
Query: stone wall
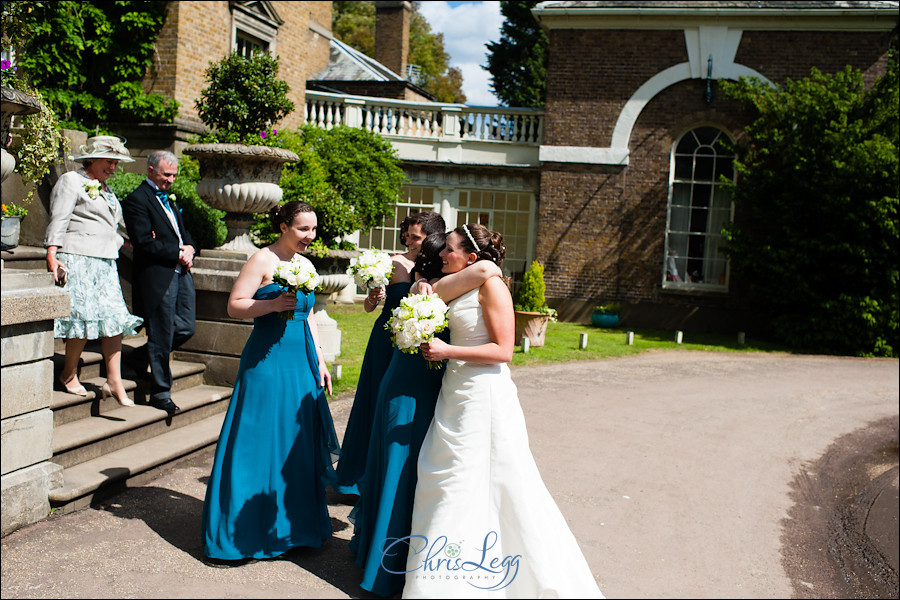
column 30, row 303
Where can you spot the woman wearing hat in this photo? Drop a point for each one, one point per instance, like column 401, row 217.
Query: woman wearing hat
column 83, row 242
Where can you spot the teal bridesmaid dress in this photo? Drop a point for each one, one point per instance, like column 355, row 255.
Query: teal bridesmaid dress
column 355, row 444
column 383, row 513
column 274, row 457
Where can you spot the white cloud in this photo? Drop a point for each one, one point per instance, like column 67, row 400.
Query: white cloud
column 467, row 27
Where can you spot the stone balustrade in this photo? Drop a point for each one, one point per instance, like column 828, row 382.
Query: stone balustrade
column 427, row 120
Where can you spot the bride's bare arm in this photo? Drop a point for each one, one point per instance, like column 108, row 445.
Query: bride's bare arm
column 456, row 284
column 499, row 318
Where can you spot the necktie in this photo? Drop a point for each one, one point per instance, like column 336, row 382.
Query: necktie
column 164, row 197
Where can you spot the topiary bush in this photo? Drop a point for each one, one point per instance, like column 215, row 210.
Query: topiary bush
column 531, row 294
column 244, row 99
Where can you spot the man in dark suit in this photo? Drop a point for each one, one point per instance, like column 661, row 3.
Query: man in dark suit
column 162, row 286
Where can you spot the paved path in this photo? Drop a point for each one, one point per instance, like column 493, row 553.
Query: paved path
column 680, row 473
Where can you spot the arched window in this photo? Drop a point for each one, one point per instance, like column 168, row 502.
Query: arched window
column 699, row 206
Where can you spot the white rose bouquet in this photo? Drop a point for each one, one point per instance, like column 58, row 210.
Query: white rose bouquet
column 296, row 275
column 415, row 322
column 371, row 269
column 92, row 187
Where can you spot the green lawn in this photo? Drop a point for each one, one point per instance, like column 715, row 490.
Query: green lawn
column 561, row 343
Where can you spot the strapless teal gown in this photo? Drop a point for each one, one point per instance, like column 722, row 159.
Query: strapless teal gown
column 379, row 350
column 383, row 513
column 274, row 457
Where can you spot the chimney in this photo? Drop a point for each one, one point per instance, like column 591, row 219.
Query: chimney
column 392, row 35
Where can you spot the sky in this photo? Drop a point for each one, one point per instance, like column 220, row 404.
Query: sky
column 467, row 27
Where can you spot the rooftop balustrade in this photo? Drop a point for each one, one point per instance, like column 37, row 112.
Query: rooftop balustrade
column 464, row 134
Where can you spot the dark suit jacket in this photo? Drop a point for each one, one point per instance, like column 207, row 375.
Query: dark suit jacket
column 155, row 247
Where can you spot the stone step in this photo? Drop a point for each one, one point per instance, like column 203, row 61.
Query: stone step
column 91, row 364
column 25, row 258
column 131, row 466
column 69, row 407
column 90, row 438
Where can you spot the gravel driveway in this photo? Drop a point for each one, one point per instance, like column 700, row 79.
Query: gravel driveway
column 682, row 475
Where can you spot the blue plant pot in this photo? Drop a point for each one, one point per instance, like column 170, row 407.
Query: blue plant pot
column 604, row 320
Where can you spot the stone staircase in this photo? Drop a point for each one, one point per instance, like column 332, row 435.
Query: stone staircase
column 104, row 447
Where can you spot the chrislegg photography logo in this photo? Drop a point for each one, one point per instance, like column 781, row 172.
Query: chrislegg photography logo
column 479, row 565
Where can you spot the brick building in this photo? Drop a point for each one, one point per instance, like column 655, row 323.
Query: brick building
column 197, row 33
column 629, row 209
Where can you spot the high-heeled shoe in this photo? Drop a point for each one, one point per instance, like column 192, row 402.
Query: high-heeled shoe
column 123, row 401
column 78, row 390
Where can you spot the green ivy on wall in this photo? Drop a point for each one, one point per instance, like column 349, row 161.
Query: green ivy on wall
column 88, row 58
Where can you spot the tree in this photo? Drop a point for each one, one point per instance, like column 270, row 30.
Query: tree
column 350, row 176
column 88, row 58
column 518, row 62
column 354, row 24
column 815, row 238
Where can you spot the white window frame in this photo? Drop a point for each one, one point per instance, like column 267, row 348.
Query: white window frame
column 696, row 255
column 256, row 21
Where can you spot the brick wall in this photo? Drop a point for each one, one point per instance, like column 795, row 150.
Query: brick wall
column 197, row 33
column 392, row 35
column 601, row 228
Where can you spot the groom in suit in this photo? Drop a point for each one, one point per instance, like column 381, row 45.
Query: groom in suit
column 163, row 288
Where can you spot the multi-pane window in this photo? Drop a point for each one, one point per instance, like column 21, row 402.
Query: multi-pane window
column 510, row 213
column 247, row 45
column 387, row 237
column 506, row 212
column 699, row 206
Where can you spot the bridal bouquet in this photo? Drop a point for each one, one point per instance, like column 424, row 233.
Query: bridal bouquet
column 415, row 321
column 298, row 276
column 371, row 269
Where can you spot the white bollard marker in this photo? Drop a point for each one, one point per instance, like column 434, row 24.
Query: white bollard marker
column 336, row 371
column 629, row 338
column 678, row 337
column 526, row 344
column 582, row 342
column 742, row 338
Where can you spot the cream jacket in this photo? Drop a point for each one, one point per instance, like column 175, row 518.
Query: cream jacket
column 80, row 224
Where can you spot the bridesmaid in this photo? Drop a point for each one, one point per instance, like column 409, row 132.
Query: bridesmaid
column 413, row 230
column 403, row 413
column 266, row 491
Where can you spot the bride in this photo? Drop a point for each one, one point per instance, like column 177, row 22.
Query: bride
column 484, row 524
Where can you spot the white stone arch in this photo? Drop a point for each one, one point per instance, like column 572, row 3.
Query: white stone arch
column 716, row 42
column 703, row 42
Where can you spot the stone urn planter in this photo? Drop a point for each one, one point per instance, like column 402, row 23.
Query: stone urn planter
column 12, row 102
column 329, row 334
column 241, row 180
column 532, row 325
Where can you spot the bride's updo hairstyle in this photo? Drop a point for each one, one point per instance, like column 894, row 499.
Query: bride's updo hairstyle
column 429, row 262
column 487, row 244
column 285, row 213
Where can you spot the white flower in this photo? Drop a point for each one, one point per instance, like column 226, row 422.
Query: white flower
column 92, row 187
column 416, row 320
column 296, row 275
column 172, row 197
column 371, row 269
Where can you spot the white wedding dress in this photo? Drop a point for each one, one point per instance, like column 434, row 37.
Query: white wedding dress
column 484, row 524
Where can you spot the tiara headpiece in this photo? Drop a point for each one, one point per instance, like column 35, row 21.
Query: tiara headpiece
column 471, row 239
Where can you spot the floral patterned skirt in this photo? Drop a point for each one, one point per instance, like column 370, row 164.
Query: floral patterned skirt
column 98, row 309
